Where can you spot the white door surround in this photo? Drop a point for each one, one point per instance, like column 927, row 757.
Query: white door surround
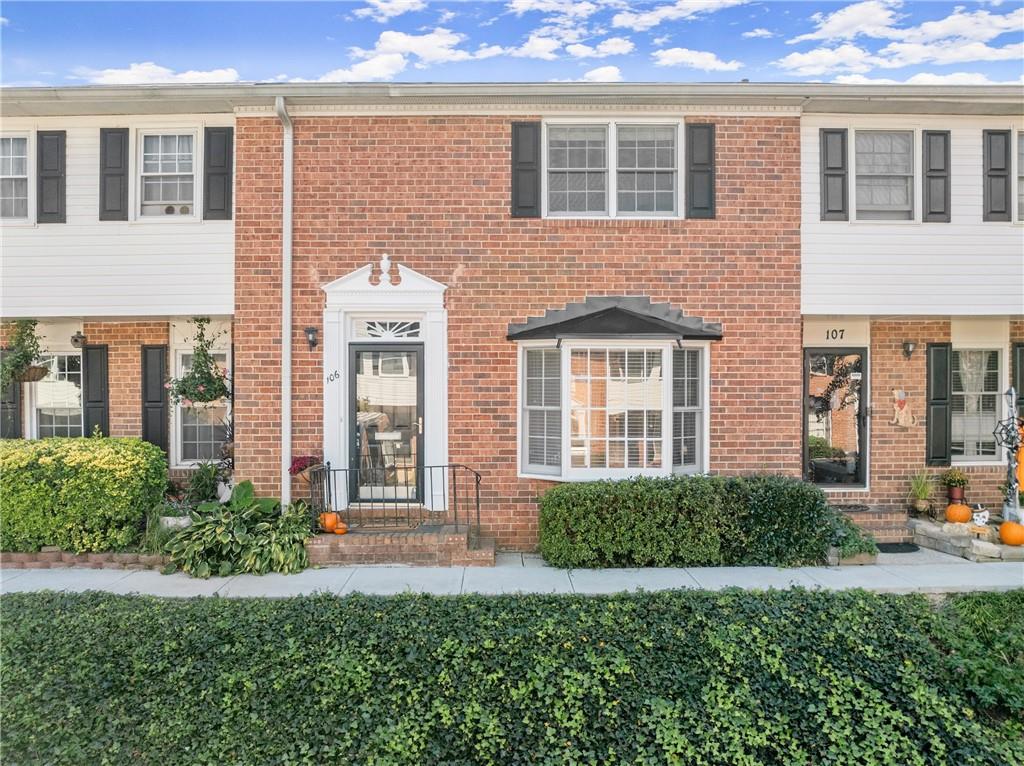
column 353, row 300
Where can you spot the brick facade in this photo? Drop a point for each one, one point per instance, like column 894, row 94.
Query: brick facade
column 434, row 193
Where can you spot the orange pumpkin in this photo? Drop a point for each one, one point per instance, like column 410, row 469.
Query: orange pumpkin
column 328, row 521
column 1011, row 533
column 958, row 513
column 341, row 528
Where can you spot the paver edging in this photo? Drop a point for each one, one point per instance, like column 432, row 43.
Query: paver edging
column 51, row 557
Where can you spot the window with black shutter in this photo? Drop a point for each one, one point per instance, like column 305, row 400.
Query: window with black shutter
column 50, row 171
column 939, row 448
column 700, row 171
column 834, row 184
column 996, row 159
column 936, row 176
column 217, row 173
column 526, row 149
column 113, row 174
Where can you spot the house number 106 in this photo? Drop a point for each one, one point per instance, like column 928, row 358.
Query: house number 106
column 834, row 334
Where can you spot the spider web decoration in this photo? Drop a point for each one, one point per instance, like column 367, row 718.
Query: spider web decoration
column 388, row 330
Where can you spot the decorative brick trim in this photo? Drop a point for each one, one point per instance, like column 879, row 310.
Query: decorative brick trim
column 55, row 558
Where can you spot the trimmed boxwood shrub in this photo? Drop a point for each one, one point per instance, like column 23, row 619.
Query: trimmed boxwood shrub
column 685, row 521
column 797, row 677
column 84, row 494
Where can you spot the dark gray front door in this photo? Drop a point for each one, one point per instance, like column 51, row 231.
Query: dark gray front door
column 835, row 415
column 386, row 422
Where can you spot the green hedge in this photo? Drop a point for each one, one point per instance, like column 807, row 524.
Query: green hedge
column 88, row 494
column 685, row 521
column 682, row 677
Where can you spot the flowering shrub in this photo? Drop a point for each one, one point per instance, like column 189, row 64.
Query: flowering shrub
column 302, row 462
column 205, row 380
column 82, row 494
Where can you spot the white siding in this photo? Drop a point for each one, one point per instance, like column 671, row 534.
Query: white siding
column 140, row 268
column 964, row 267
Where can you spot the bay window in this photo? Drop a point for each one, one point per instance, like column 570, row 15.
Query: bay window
column 885, row 175
column 627, row 409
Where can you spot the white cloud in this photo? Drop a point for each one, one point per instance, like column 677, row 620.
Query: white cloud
column 872, row 18
column 603, row 74
column 149, row 73
column 925, row 78
column 613, row 46
column 677, row 11
column 954, row 51
column 436, row 47
column 446, row 16
column 759, row 32
column 979, row 25
column 844, row 58
column 382, row 67
column 579, row 10
column 4, row 21
column 382, row 10
column 537, row 47
column 659, row 41
column 704, row 60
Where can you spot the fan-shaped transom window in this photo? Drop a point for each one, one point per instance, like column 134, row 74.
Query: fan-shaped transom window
column 377, row 329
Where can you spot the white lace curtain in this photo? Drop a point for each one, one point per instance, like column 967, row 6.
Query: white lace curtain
column 972, row 377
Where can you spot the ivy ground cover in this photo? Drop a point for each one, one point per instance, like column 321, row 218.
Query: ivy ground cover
column 793, row 677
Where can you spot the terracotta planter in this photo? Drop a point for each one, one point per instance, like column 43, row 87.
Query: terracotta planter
column 329, row 521
column 922, row 506
column 956, row 494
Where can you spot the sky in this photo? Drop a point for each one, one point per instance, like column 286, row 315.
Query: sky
column 872, row 41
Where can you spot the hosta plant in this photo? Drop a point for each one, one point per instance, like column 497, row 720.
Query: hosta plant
column 246, row 534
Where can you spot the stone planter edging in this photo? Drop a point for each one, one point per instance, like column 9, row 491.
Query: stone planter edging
column 54, row 558
column 957, row 540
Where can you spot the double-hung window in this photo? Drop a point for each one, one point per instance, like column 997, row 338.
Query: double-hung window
column 885, row 175
column 168, row 174
column 629, row 409
column 57, row 398
column 14, row 177
column 201, row 428
column 614, row 169
column 976, row 404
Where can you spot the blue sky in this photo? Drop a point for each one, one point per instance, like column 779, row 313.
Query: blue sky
column 512, row 40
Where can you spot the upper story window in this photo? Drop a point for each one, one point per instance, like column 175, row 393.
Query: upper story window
column 637, row 176
column 1020, row 176
column 168, row 174
column 885, row 175
column 14, row 177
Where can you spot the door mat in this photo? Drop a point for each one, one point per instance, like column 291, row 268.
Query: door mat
column 898, row 548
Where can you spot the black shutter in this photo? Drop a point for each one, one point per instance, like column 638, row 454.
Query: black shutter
column 50, row 172
column 1018, row 376
column 113, row 174
column 217, row 173
column 936, row 175
column 95, row 390
column 834, row 184
column 700, row 171
column 10, row 411
column 997, row 175
column 154, row 395
column 526, row 149
column 938, row 450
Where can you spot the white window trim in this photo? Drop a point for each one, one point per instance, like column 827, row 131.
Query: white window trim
column 611, row 168
column 30, row 147
column 566, row 472
column 1000, row 347
column 135, row 168
column 177, row 351
column 917, row 192
column 31, row 411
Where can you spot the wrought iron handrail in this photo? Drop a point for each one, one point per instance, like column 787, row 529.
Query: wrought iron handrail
column 397, row 497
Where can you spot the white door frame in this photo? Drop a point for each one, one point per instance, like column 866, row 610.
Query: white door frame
column 354, row 298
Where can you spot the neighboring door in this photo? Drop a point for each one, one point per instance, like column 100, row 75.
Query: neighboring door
column 835, row 416
column 386, row 422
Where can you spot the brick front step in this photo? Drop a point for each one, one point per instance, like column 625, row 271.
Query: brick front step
column 885, row 525
column 440, row 546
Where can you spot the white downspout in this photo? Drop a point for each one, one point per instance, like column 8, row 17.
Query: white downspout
column 287, row 173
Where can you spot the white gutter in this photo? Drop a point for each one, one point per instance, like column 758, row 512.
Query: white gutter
column 287, row 174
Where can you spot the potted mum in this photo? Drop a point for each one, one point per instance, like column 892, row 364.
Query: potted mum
column 18, row 362
column 956, row 481
column 205, row 382
column 301, row 464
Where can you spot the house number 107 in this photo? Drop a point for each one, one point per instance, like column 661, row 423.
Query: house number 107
column 834, row 334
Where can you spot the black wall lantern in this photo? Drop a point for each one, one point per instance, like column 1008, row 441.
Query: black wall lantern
column 78, row 339
column 312, row 337
column 908, row 348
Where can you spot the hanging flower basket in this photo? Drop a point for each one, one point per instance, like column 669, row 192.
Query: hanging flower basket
column 32, row 374
column 206, row 382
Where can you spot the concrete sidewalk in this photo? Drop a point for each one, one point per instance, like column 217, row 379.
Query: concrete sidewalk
column 921, row 572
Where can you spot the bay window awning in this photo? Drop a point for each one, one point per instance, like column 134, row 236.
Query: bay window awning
column 614, row 316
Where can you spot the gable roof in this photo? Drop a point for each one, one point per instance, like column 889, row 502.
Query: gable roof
column 616, row 315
